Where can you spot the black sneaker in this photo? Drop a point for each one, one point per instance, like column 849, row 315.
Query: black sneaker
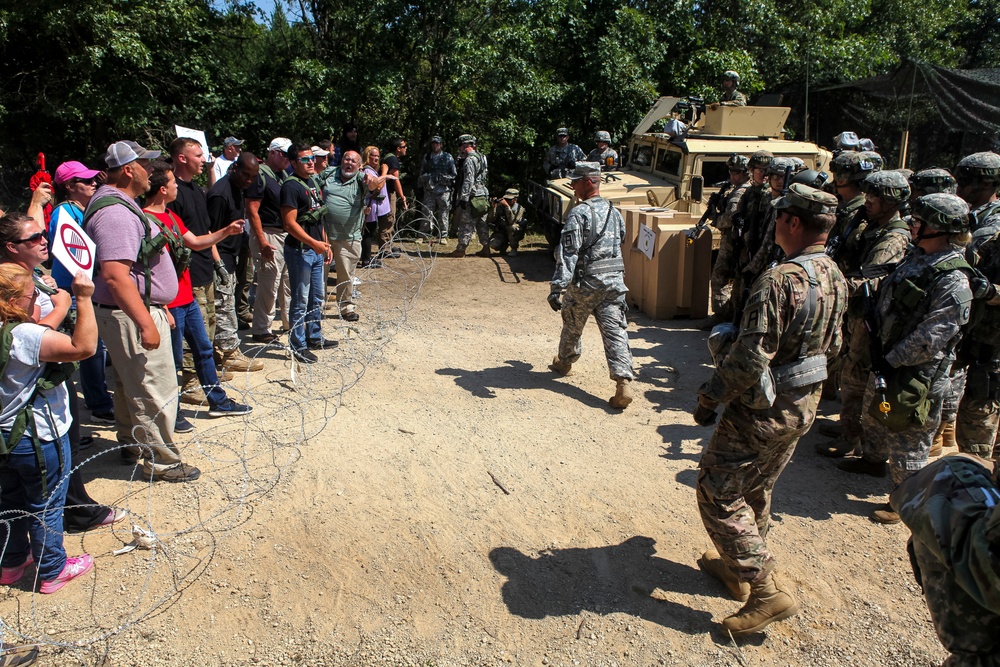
column 322, row 344
column 350, row 317
column 181, row 472
column 304, row 356
column 102, row 418
column 182, row 425
column 229, row 408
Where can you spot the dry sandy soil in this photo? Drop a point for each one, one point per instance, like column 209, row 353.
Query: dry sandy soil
column 459, row 504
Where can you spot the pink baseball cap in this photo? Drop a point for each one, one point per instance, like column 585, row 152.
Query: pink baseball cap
column 70, row 170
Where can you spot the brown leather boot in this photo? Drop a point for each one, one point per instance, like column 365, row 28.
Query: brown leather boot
column 561, row 367
column 623, row 394
column 711, row 563
column 766, row 605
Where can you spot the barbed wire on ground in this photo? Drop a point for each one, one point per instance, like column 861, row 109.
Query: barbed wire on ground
column 179, row 527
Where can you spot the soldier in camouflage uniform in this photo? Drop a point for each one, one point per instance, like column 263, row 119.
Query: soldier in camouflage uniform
column 590, row 280
column 559, row 159
column 952, row 508
column 473, row 199
column 849, row 172
column 920, row 310
column 604, row 154
column 978, row 176
column 730, row 96
column 883, row 243
column 744, row 221
column 770, row 383
column 760, row 249
column 437, row 174
column 508, row 223
column 724, row 269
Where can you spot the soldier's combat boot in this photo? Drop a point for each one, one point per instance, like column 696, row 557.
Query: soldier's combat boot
column 711, row 563
column 767, row 604
column 838, row 448
column 484, row 252
column 830, row 428
column 235, row 361
column 862, row 466
column 885, row 515
column 191, row 391
column 623, row 394
column 944, row 438
column 561, row 367
column 459, row 251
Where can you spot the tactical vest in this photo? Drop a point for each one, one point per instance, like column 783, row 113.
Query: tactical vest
column 909, row 299
column 981, row 216
column 585, row 265
column 149, row 247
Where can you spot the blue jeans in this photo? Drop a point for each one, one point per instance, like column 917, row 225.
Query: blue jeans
column 191, row 327
column 305, row 278
column 93, row 383
column 30, row 520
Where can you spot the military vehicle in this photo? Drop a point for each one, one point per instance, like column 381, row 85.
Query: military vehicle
column 682, row 165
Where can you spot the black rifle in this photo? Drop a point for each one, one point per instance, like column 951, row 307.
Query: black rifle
column 870, row 319
column 712, row 211
column 835, row 244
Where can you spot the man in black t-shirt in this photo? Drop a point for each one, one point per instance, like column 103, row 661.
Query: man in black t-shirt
column 226, row 204
column 306, row 252
column 267, row 242
column 392, row 161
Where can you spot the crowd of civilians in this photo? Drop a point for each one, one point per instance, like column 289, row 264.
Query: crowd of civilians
column 175, row 263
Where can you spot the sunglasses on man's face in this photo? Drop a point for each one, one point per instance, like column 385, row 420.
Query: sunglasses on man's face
column 34, row 238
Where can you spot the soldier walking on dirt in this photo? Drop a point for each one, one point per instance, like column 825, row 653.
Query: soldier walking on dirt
column 770, row 383
column 590, row 279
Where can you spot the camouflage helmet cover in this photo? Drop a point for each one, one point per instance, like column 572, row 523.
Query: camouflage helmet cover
column 846, row 141
column 852, row 166
column 979, row 165
column 737, row 162
column 604, row 136
column 942, row 211
column 731, row 75
column 891, row 186
column 778, row 166
column 874, row 158
column 760, row 159
column 932, row 180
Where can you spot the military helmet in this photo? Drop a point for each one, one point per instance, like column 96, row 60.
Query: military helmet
column 846, row 141
column 891, row 186
column 874, row 158
column 603, row 135
column 731, row 75
column 760, row 159
column 853, row 166
column 978, row 165
column 942, row 211
column 933, row 180
column 778, row 166
column 811, row 177
column 737, row 162
column 797, row 164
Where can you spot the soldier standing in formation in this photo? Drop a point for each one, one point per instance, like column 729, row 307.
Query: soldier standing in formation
column 562, row 156
column 508, row 223
column 604, row 154
column 978, row 176
column 724, row 270
column 473, row 198
column 881, row 245
column 437, row 176
column 920, row 310
column 790, row 328
column 590, row 280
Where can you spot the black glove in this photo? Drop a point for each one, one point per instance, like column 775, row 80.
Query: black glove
column 463, row 205
column 555, row 301
column 703, row 414
column 221, row 273
column 982, row 288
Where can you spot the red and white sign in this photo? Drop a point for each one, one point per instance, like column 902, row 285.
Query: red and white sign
column 72, row 247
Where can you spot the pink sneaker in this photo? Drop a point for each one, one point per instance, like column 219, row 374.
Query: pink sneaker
column 75, row 567
column 12, row 575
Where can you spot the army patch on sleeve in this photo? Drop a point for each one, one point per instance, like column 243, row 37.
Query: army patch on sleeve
column 755, row 315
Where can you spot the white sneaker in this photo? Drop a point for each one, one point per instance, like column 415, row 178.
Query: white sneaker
column 355, row 280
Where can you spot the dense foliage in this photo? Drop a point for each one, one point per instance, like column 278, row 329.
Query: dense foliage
column 79, row 74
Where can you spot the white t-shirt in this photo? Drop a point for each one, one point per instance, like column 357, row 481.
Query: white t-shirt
column 51, row 407
column 221, row 167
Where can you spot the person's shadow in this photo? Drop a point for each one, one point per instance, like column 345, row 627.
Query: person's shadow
column 519, row 375
column 602, row 580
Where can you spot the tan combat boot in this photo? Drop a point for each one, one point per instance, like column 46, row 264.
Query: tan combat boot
column 766, row 605
column 711, row 563
column 948, row 436
column 623, row 394
column 191, row 392
column 237, row 362
column 561, row 367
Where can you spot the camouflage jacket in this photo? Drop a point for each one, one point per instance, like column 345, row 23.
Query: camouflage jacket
column 986, row 223
column 558, row 160
column 920, row 319
column 474, row 174
column 593, row 232
column 506, row 217
column 602, row 157
column 733, row 99
column 877, row 246
column 437, row 171
column 845, row 214
column 773, row 327
column 730, row 206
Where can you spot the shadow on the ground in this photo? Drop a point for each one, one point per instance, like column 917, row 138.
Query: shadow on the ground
column 603, row 580
column 520, row 375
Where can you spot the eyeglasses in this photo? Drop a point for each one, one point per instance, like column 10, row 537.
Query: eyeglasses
column 33, row 239
column 310, row 158
column 83, row 181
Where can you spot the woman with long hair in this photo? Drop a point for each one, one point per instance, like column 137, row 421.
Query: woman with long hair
column 376, row 209
column 34, row 421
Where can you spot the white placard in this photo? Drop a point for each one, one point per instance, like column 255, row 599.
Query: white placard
column 72, row 247
column 197, row 135
column 646, row 241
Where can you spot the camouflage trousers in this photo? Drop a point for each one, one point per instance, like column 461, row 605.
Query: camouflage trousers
column 468, row 222
column 977, row 416
column 737, row 474
column 722, row 277
column 906, row 450
column 970, row 632
column 854, row 371
column 437, row 207
column 953, row 394
column 503, row 236
column 226, row 324
column 608, row 308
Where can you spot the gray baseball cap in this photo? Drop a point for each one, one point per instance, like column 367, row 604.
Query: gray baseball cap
column 121, row 153
column 806, row 198
column 232, row 141
column 584, row 169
